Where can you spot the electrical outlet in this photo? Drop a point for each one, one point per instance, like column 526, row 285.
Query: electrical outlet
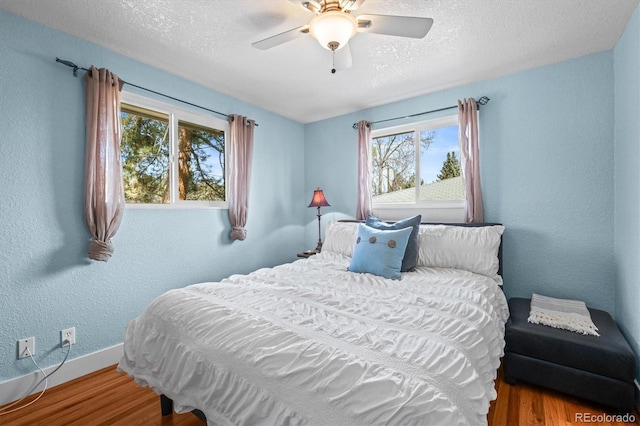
column 26, row 346
column 68, row 334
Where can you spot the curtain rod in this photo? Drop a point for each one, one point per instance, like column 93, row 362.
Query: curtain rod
column 75, row 74
column 482, row 101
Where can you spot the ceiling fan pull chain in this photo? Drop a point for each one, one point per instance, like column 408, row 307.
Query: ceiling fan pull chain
column 333, row 62
column 333, row 46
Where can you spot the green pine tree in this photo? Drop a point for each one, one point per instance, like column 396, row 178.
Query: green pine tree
column 450, row 167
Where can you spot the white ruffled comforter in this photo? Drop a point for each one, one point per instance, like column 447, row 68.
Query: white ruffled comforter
column 311, row 343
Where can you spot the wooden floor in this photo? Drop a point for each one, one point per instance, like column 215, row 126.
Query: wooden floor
column 108, row 398
column 525, row 404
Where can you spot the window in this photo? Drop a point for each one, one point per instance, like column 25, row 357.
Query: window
column 417, row 165
column 171, row 156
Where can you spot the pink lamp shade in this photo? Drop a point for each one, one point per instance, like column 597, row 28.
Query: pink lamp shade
column 318, row 199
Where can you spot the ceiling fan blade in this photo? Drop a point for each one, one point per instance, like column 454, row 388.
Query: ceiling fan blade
column 351, row 4
column 402, row 26
column 281, row 38
column 310, row 5
column 343, row 59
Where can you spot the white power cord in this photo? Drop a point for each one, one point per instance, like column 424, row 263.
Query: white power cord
column 44, row 379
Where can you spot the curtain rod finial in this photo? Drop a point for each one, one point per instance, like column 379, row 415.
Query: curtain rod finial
column 69, row 64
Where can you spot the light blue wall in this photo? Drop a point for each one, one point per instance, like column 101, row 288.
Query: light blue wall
column 627, row 181
column 547, row 172
column 46, row 282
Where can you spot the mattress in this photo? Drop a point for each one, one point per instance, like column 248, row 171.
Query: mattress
column 311, row 343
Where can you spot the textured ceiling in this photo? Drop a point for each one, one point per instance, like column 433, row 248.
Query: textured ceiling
column 209, row 42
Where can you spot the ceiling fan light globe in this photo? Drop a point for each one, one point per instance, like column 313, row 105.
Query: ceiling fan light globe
column 333, row 26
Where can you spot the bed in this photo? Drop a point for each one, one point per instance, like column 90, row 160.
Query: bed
column 311, row 342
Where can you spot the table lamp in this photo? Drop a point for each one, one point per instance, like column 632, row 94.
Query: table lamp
column 318, row 201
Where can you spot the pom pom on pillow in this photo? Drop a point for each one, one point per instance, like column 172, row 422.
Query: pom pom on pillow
column 379, row 252
column 411, row 253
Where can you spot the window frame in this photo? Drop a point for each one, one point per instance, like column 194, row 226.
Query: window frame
column 177, row 114
column 418, row 127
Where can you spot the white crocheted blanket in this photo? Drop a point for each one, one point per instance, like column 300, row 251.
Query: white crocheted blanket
column 571, row 315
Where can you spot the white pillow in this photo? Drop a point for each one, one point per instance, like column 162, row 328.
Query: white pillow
column 473, row 249
column 340, row 237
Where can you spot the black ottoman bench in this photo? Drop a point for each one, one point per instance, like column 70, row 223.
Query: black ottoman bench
column 600, row 369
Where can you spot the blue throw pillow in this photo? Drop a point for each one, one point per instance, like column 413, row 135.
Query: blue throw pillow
column 411, row 254
column 379, row 252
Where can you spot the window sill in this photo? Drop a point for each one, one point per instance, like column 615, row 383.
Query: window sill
column 433, row 211
column 179, row 206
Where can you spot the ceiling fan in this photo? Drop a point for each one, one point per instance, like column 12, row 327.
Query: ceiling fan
column 333, row 27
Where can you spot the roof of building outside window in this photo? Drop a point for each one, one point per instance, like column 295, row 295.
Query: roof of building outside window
column 447, row 189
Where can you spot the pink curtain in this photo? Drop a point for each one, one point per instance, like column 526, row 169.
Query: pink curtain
column 470, row 158
column 364, row 206
column 240, row 149
column 103, row 187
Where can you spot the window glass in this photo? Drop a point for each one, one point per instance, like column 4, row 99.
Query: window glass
column 171, row 156
column 145, row 155
column 440, row 176
column 398, row 159
column 394, row 159
column 200, row 163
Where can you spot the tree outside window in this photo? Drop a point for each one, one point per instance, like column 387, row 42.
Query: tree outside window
column 148, row 145
column 406, row 172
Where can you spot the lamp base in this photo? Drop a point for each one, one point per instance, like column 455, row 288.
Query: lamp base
column 319, row 247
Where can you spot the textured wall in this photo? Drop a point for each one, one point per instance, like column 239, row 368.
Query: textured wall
column 547, row 172
column 548, row 175
column 46, row 282
column 627, row 182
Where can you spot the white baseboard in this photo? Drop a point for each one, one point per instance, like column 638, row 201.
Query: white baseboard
column 15, row 389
